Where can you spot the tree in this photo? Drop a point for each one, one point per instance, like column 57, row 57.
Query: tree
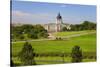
column 42, row 35
column 76, row 54
column 72, row 27
column 31, row 31
column 64, row 29
column 39, row 28
column 89, row 25
column 27, row 28
column 27, row 54
column 32, row 35
column 86, row 25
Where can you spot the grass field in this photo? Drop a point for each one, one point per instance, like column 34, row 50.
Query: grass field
column 71, row 33
column 51, row 60
column 86, row 42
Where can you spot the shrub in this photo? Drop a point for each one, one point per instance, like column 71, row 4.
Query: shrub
column 27, row 54
column 76, row 54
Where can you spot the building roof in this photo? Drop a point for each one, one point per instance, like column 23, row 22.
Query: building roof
column 59, row 16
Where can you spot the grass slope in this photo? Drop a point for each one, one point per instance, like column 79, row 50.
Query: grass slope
column 86, row 42
column 68, row 33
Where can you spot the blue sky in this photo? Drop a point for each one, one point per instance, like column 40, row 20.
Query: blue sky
column 42, row 13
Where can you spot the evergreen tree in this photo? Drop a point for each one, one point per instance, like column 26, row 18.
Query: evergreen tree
column 76, row 54
column 27, row 54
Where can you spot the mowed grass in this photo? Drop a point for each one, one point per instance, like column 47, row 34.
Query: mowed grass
column 52, row 60
column 86, row 42
column 68, row 33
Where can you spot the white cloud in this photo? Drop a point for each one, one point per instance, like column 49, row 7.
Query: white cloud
column 63, row 5
column 25, row 17
column 20, row 13
column 33, row 15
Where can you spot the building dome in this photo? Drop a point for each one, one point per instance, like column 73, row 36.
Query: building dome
column 59, row 16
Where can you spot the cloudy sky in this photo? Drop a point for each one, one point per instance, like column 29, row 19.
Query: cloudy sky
column 38, row 12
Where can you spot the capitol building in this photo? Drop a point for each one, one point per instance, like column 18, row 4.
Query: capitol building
column 57, row 26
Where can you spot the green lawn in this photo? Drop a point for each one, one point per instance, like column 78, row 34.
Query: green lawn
column 67, row 33
column 86, row 42
column 52, row 60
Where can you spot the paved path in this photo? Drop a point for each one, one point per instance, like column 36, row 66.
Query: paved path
column 32, row 40
column 63, row 37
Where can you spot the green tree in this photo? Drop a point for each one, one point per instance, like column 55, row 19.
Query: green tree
column 89, row 25
column 72, row 27
column 39, row 28
column 76, row 54
column 64, row 29
column 27, row 54
column 27, row 28
column 86, row 25
column 42, row 35
column 31, row 31
column 33, row 35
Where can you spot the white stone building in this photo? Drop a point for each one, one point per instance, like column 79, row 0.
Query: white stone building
column 57, row 26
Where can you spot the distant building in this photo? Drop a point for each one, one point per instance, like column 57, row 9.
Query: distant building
column 59, row 23
column 57, row 26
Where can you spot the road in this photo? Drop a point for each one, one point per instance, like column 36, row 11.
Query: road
column 62, row 37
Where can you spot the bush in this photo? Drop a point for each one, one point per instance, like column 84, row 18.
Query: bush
column 91, row 57
column 76, row 54
column 27, row 54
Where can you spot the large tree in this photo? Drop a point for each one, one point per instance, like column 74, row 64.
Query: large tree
column 28, row 31
column 86, row 25
column 27, row 54
column 76, row 54
column 89, row 25
column 27, row 28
